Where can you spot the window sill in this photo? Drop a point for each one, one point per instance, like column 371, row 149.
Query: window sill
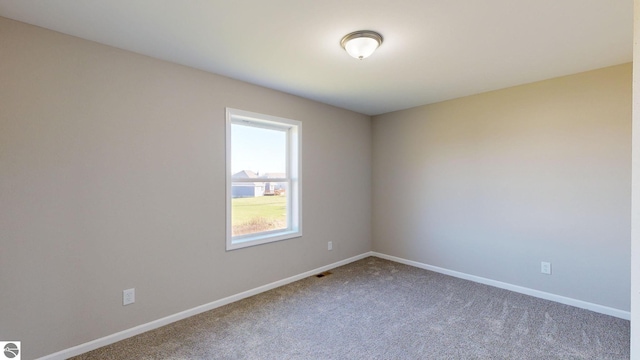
column 244, row 241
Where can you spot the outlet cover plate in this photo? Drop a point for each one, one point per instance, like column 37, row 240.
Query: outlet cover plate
column 545, row 267
column 128, row 296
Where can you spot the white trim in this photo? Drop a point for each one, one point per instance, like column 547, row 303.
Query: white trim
column 264, row 237
column 515, row 288
column 110, row 339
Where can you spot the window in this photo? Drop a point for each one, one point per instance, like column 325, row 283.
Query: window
column 263, row 179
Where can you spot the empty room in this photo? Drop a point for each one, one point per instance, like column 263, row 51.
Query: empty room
column 319, row 180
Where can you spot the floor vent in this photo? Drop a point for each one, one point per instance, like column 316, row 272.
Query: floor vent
column 324, row 274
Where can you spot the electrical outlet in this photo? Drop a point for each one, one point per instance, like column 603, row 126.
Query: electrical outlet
column 330, row 246
column 128, row 296
column 545, row 267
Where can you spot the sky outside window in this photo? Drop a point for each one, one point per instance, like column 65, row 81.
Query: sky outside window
column 259, row 150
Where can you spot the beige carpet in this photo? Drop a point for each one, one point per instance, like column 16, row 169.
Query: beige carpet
column 378, row 309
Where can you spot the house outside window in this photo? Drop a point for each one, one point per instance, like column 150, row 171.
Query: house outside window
column 263, row 179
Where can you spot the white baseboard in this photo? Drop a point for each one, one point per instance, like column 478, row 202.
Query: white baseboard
column 110, row 339
column 515, row 288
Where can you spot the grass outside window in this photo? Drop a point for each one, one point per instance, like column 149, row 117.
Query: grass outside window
column 258, row 214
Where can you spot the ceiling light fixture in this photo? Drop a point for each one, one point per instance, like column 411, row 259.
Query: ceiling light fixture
column 361, row 44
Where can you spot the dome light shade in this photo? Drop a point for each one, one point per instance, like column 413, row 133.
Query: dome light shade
column 361, row 44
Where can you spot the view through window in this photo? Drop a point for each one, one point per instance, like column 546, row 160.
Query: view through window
column 258, row 166
column 263, row 181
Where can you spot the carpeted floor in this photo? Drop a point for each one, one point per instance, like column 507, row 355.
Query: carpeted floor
column 378, row 309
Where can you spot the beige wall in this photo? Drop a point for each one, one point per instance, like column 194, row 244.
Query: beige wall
column 112, row 176
column 635, row 224
column 491, row 185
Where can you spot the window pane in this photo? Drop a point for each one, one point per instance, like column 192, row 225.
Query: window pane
column 255, row 214
column 257, row 151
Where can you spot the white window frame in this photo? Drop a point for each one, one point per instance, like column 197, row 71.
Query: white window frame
column 293, row 129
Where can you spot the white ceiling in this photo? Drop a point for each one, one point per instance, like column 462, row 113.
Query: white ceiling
column 433, row 50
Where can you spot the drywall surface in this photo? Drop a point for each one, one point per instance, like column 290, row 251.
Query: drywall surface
column 635, row 213
column 493, row 184
column 112, row 176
